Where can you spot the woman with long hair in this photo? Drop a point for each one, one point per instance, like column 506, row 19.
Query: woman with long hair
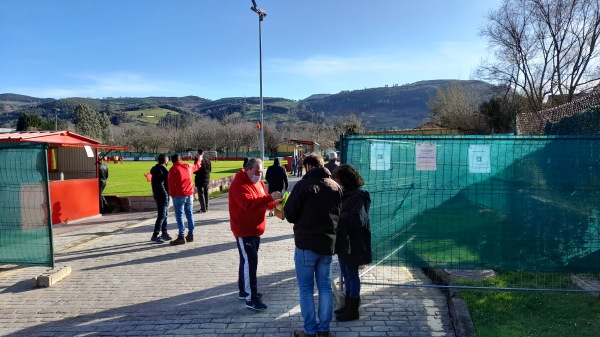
column 353, row 241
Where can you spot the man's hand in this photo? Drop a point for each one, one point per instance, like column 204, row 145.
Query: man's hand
column 276, row 195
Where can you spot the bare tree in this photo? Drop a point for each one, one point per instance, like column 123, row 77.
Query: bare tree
column 203, row 133
column 350, row 124
column 272, row 138
column 456, row 107
column 544, row 48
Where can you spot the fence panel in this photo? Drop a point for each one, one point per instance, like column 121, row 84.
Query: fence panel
column 502, row 203
column 25, row 226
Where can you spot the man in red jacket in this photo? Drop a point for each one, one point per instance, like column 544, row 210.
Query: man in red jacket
column 248, row 203
column 181, row 189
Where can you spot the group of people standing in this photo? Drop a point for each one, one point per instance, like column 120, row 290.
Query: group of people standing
column 327, row 207
column 329, row 213
column 176, row 183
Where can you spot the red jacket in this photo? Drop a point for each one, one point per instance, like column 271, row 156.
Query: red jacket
column 248, row 203
column 179, row 179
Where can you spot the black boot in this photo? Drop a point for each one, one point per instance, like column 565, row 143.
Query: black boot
column 344, row 306
column 351, row 313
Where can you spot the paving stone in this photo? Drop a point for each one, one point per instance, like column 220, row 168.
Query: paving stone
column 122, row 284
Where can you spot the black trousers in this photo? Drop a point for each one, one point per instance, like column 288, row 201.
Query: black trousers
column 203, row 197
column 248, row 249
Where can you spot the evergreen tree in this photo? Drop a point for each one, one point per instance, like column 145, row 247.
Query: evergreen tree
column 90, row 123
column 31, row 122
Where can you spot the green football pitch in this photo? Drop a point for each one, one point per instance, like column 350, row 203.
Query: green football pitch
column 128, row 179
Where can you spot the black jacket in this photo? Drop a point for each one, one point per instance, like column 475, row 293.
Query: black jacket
column 332, row 165
column 160, row 188
column 353, row 243
column 202, row 177
column 276, row 177
column 314, row 209
column 102, row 171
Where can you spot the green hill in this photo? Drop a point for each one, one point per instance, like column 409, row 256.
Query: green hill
column 395, row 107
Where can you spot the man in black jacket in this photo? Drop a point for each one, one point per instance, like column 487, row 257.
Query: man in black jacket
column 276, row 177
column 333, row 163
column 102, row 177
column 314, row 208
column 160, row 192
column 202, row 180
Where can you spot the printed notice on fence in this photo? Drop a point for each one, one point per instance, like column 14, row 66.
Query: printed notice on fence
column 479, row 159
column 381, row 156
column 426, row 157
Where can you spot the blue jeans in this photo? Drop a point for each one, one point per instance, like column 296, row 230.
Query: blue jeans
column 162, row 210
column 181, row 205
column 351, row 279
column 310, row 265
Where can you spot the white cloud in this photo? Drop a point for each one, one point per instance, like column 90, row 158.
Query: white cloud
column 447, row 60
column 111, row 85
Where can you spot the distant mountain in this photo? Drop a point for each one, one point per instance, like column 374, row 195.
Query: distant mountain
column 384, row 108
column 396, row 107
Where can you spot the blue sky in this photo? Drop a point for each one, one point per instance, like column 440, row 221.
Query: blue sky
column 209, row 48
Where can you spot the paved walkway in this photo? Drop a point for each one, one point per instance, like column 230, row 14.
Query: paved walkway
column 124, row 285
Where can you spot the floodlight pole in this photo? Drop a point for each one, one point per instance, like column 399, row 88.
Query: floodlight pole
column 261, row 16
column 56, row 110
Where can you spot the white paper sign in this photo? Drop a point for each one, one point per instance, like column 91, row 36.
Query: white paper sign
column 89, row 151
column 426, row 157
column 381, row 156
column 479, row 159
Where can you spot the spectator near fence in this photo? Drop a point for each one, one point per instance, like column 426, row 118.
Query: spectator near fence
column 299, row 166
column 160, row 192
column 181, row 190
column 248, row 202
column 332, row 164
column 102, row 177
column 202, row 180
column 314, row 208
column 276, row 177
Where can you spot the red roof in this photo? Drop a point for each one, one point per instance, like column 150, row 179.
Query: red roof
column 62, row 138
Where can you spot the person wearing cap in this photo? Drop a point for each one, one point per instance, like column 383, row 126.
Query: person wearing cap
column 332, row 164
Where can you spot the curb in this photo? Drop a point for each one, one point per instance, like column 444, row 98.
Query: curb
column 461, row 319
column 458, row 309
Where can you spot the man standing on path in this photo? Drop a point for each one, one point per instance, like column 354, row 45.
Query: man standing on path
column 181, row 190
column 277, row 179
column 299, row 166
column 248, row 202
column 102, row 177
column 332, row 164
column 201, row 180
column 160, row 192
column 314, row 208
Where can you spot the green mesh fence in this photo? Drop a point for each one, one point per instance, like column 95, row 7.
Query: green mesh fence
column 501, row 203
column 25, row 225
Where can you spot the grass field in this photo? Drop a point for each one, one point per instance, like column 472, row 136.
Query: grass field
column 156, row 113
column 127, row 178
column 533, row 313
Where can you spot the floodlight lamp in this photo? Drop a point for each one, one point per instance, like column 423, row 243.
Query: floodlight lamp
column 259, row 11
